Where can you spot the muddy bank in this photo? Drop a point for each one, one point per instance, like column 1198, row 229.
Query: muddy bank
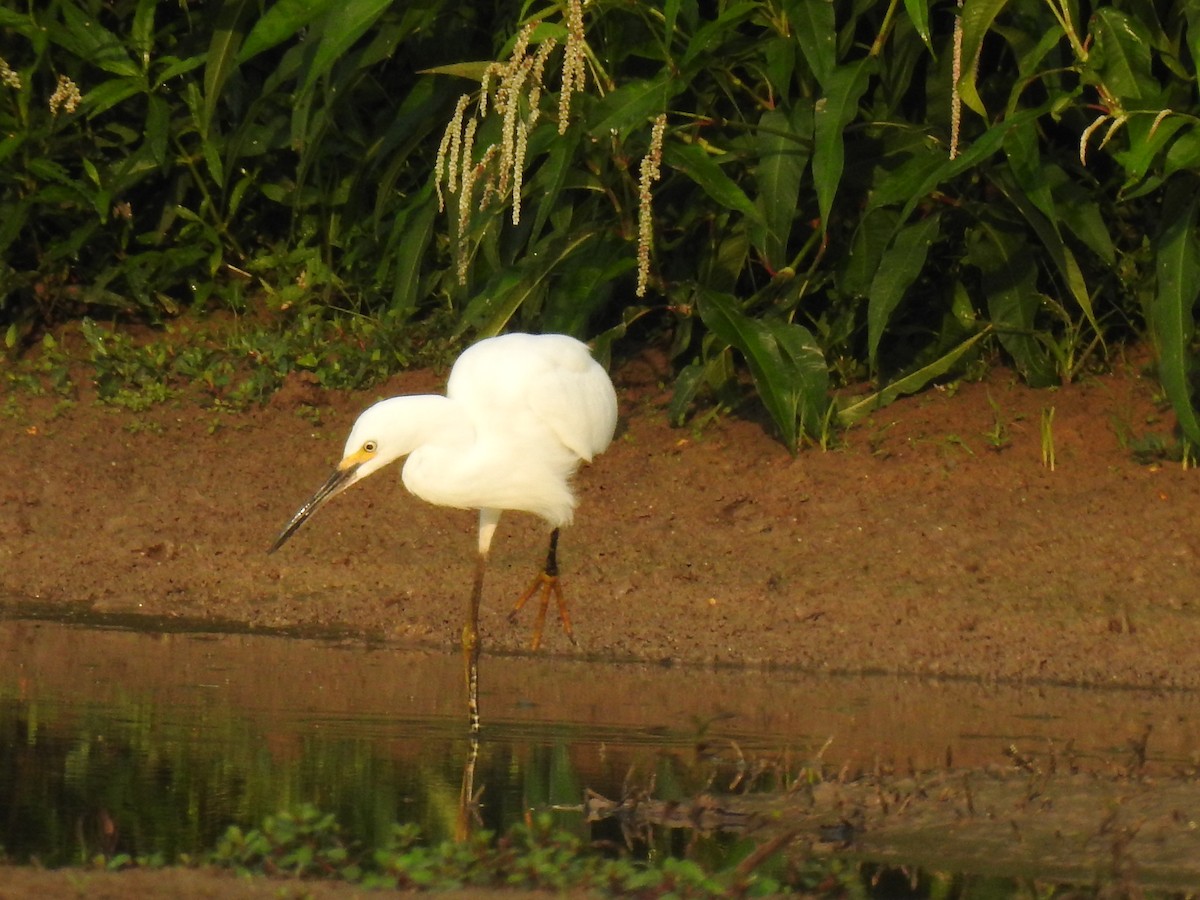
column 931, row 541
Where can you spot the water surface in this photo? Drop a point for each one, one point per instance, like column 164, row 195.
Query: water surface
column 114, row 739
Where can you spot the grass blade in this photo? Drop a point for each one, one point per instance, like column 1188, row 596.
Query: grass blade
column 910, row 383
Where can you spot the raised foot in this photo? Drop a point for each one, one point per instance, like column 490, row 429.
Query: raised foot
column 546, row 585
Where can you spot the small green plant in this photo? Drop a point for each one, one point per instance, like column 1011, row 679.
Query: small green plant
column 998, row 437
column 531, row 856
column 303, row 843
column 1047, row 431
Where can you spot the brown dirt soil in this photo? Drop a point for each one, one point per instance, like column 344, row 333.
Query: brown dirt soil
column 915, row 547
column 911, row 548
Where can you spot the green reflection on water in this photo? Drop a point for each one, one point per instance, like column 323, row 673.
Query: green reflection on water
column 77, row 781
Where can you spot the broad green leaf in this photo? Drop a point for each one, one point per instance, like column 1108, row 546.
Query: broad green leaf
column 1146, row 141
column 602, row 343
column 909, row 384
column 222, row 57
column 212, row 159
column 976, row 152
column 719, row 268
column 785, row 361
column 1171, row 314
column 472, row 71
column 915, row 177
column 703, row 169
column 918, row 14
column 142, row 34
column 898, row 269
column 977, row 18
column 687, row 384
column 281, row 22
column 631, row 105
column 1021, row 148
column 587, row 283
column 1008, row 275
column 1079, row 210
column 1121, row 55
column 1184, row 153
column 10, row 144
column 111, row 93
column 551, row 176
column 875, row 230
column 174, row 67
column 814, row 27
column 709, row 36
column 670, row 16
column 1031, row 56
column 88, row 39
column 339, row 29
column 782, row 143
column 1061, row 254
column 1191, row 13
column 414, row 226
column 492, row 309
column 832, row 113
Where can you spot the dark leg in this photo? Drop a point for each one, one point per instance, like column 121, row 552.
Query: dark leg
column 552, row 555
column 547, row 584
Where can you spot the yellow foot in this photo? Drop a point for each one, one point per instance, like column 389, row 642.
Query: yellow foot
column 546, row 585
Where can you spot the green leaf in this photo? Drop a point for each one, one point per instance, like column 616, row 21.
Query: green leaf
column 472, row 71
column 977, row 19
column 222, row 57
column 1146, row 140
column 976, row 152
column 782, row 160
column 1025, row 162
column 910, row 383
column 340, row 28
column 113, row 92
column 88, row 39
column 1008, row 273
column 1121, row 55
column 871, row 238
column 1058, row 250
column 700, row 167
column 492, row 309
column 415, row 225
column 832, row 113
column 712, row 33
column 1183, row 154
column 687, row 384
column 898, row 269
column 815, row 28
column 918, row 14
column 283, row 21
column 551, row 177
column 631, row 105
column 785, row 361
column 142, row 33
column 1171, row 310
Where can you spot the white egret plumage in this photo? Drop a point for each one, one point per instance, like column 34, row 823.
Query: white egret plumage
column 521, row 412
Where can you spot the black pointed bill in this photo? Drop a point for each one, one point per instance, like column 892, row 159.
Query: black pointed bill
column 341, row 479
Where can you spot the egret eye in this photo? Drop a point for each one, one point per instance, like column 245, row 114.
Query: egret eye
column 370, row 447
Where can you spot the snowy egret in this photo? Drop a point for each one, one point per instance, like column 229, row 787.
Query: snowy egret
column 521, row 412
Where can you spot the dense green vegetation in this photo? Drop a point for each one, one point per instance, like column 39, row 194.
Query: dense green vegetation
column 823, row 192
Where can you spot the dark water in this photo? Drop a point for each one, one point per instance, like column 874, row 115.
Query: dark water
column 114, row 740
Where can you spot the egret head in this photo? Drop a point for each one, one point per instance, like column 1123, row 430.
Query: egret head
column 367, row 449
